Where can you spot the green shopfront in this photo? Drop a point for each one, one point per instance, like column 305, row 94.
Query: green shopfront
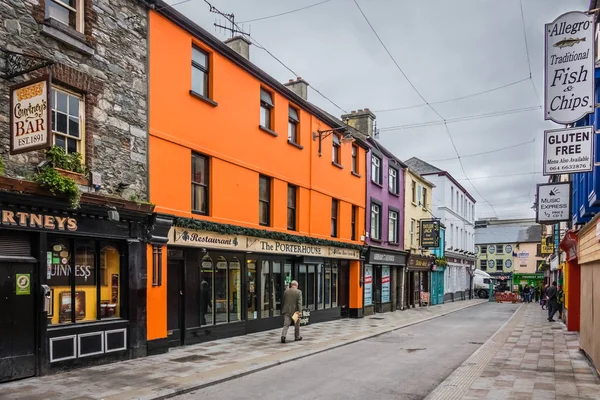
column 529, row 279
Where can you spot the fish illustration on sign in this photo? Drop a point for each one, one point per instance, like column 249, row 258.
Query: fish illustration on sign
column 570, row 42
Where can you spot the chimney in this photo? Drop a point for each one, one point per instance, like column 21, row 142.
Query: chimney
column 298, row 86
column 361, row 120
column 240, row 45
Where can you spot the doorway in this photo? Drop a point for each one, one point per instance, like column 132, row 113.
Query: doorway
column 344, row 287
column 17, row 321
column 175, row 303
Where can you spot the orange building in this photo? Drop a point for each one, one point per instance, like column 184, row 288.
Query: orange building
column 245, row 200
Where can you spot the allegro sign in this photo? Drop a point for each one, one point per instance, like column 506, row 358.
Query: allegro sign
column 569, row 68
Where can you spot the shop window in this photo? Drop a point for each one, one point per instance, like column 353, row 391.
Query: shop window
column 334, row 284
column 67, row 12
column 266, row 107
column 110, row 289
column 278, row 292
column 291, row 207
column 320, row 304
column 368, row 285
column 235, row 290
column 200, row 72
column 376, row 169
column 327, row 285
column 67, row 127
column 293, row 121
column 199, row 184
column 220, row 290
column 385, row 284
column 79, row 278
column 265, row 282
column 206, row 291
column 264, row 211
column 306, row 283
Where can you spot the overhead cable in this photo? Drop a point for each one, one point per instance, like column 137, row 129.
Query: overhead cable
column 285, row 13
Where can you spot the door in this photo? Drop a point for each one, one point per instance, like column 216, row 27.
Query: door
column 17, row 321
column 344, row 290
column 175, row 320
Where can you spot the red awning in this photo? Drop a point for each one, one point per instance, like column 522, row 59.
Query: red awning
column 569, row 245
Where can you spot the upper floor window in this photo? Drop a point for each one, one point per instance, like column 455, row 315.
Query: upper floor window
column 375, row 221
column 355, row 159
column 67, row 115
column 293, row 121
column 393, row 180
column 412, row 232
column 199, row 72
column 336, row 149
column 424, row 197
column 291, row 207
column 199, row 184
column 264, row 200
column 452, row 197
column 393, row 227
column 376, row 169
column 413, row 189
column 500, row 248
column 334, row 217
column 266, row 106
column 68, row 12
column 483, row 249
column 353, row 222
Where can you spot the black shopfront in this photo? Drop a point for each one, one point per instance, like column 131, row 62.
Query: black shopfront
column 216, row 293
column 418, row 280
column 72, row 284
column 382, row 286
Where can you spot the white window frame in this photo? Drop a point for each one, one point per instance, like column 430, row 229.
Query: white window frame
column 393, row 180
column 392, row 226
column 412, row 232
column 376, row 169
column 81, row 140
column 375, row 221
column 78, row 10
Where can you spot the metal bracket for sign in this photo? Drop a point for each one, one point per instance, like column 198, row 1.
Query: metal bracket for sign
column 17, row 64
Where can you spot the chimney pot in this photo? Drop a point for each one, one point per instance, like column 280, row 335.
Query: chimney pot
column 240, row 45
column 298, row 86
column 362, row 120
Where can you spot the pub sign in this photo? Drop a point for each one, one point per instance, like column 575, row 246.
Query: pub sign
column 430, row 233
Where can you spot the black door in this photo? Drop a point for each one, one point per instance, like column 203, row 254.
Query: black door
column 17, row 322
column 344, row 287
column 175, row 323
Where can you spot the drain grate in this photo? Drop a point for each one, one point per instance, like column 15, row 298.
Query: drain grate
column 477, row 343
column 413, row 350
column 377, row 318
column 192, row 358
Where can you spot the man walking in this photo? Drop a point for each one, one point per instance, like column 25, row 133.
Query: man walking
column 292, row 303
column 552, row 294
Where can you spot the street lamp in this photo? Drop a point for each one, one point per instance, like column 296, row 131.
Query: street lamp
column 325, row 133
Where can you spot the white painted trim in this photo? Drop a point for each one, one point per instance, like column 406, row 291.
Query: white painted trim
column 87, row 335
column 63, row 338
column 124, row 330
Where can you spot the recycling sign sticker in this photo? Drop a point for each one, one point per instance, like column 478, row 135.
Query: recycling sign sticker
column 23, row 284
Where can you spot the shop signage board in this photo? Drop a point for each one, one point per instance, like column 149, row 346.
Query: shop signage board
column 385, row 284
column 568, row 151
column 30, row 116
column 380, row 257
column 368, row 285
column 569, row 68
column 305, row 318
column 553, row 202
column 213, row 240
column 416, row 262
column 430, row 233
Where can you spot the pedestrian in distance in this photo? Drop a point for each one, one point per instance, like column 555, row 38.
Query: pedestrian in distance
column 526, row 293
column 544, row 298
column 560, row 300
column 552, row 294
column 537, row 294
column 291, row 309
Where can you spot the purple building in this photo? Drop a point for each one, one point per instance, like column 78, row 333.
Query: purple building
column 384, row 225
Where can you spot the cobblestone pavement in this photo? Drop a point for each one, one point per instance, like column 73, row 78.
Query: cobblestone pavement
column 187, row 368
column 528, row 358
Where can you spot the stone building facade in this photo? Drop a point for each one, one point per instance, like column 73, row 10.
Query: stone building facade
column 99, row 57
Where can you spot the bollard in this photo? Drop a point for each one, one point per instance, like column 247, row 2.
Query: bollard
column 491, row 292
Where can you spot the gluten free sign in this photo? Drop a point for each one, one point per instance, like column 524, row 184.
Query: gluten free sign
column 568, row 150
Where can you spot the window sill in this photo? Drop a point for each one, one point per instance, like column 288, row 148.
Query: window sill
column 204, row 99
column 355, row 174
column 394, row 194
column 337, row 165
column 67, row 36
column 296, row 145
column 394, row 244
column 375, row 240
column 377, row 183
column 270, row 132
column 196, row 212
column 414, row 204
column 267, row 225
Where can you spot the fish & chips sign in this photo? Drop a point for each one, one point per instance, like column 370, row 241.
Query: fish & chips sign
column 569, row 68
column 30, row 116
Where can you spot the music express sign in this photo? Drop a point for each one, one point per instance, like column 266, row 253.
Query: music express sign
column 569, row 68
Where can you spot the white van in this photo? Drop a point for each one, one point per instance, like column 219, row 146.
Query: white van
column 481, row 283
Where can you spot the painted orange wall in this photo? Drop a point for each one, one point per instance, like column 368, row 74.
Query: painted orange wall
column 181, row 124
column 156, row 318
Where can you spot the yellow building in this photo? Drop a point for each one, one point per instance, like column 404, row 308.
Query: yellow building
column 417, row 206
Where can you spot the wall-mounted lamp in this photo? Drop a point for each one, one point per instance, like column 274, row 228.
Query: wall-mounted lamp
column 347, row 138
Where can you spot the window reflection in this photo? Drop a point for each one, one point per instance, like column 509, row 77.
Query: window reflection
column 110, row 291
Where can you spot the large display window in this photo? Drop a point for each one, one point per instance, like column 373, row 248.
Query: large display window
column 85, row 280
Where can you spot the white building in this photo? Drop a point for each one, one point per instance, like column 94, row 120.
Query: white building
column 455, row 207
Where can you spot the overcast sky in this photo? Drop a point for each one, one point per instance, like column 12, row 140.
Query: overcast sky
column 447, row 49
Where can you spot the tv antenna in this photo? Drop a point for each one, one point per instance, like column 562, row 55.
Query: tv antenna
column 229, row 25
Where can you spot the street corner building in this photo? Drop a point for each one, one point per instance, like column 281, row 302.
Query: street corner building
column 73, row 184
column 455, row 209
column 254, row 187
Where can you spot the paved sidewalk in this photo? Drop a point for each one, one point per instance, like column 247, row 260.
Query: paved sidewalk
column 192, row 367
column 528, row 358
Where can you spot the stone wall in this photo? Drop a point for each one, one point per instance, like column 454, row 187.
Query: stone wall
column 106, row 63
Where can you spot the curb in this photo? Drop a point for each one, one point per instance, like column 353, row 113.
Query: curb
column 470, row 369
column 293, row 358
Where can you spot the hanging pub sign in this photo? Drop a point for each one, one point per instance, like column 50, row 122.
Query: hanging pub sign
column 430, row 233
column 30, row 116
column 553, row 202
column 569, row 68
column 568, row 151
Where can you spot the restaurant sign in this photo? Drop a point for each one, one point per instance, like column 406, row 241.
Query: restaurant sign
column 569, row 68
column 30, row 116
column 213, row 240
column 419, row 262
column 430, row 233
column 568, row 151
